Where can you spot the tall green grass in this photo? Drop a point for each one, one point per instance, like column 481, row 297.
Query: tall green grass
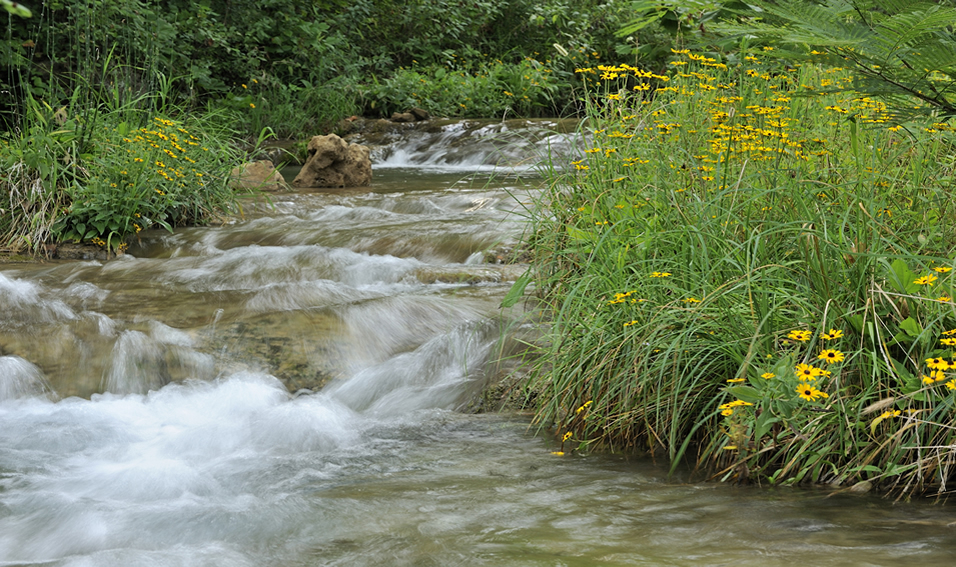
column 724, row 225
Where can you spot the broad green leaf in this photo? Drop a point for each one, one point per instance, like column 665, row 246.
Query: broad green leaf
column 764, row 422
column 516, row 291
column 911, row 327
column 745, row 393
column 16, row 9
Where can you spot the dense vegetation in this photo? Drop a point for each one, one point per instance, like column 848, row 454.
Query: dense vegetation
column 299, row 67
column 750, row 267
column 88, row 86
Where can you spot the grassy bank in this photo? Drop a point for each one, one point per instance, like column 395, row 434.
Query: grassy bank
column 753, row 277
column 104, row 175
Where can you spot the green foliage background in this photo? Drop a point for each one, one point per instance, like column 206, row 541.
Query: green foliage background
column 324, row 58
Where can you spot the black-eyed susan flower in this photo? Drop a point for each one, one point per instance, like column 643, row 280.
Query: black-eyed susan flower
column 942, row 269
column 925, row 280
column 807, row 392
column 660, row 274
column 938, row 363
column 831, row 356
column 833, row 334
column 768, row 375
column 807, row 372
column 798, row 335
column 728, row 408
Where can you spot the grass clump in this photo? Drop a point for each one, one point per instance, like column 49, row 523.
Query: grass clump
column 103, row 177
column 753, row 276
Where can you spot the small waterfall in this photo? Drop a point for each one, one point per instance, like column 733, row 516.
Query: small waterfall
column 137, row 365
column 23, row 303
column 140, row 362
column 441, row 374
column 469, row 145
column 20, row 379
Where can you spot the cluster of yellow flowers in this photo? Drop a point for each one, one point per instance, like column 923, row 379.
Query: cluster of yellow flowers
column 166, row 138
column 939, row 366
column 727, row 409
column 761, row 131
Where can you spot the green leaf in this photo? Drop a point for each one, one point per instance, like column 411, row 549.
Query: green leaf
column 900, row 369
column 784, row 408
column 911, row 327
column 16, row 9
column 517, row 290
column 764, row 422
column 893, row 469
column 745, row 393
column 900, row 276
column 855, row 321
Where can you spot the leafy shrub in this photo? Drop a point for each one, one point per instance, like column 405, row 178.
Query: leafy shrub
column 158, row 174
column 488, row 88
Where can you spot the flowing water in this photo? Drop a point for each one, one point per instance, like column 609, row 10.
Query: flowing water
column 282, row 391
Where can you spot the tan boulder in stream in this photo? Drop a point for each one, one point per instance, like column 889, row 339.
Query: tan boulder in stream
column 333, row 162
column 260, row 175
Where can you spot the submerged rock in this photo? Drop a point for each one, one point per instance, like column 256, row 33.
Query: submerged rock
column 402, row 117
column 333, row 162
column 260, row 175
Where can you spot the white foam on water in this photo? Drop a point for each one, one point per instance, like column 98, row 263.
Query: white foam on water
column 437, row 374
column 190, row 466
column 160, row 475
column 22, row 301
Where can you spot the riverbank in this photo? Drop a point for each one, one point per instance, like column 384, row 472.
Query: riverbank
column 752, row 280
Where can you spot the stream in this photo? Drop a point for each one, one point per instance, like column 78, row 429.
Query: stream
column 293, row 389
